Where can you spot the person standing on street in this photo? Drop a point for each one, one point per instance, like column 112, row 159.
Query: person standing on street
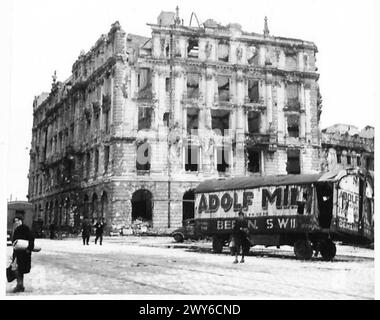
column 86, row 231
column 99, row 229
column 22, row 259
column 52, row 231
column 239, row 237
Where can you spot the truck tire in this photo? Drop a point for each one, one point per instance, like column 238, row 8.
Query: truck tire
column 217, row 245
column 327, row 249
column 303, row 249
column 178, row 237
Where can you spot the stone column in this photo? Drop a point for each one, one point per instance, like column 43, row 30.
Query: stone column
column 280, row 112
column 268, row 97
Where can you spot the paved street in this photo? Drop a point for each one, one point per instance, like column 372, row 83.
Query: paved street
column 159, row 266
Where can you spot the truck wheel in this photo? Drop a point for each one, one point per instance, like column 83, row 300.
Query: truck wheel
column 178, row 237
column 328, row 250
column 217, row 245
column 303, row 249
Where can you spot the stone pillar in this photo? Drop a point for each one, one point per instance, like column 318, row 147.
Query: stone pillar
column 307, row 113
column 302, row 122
column 268, row 97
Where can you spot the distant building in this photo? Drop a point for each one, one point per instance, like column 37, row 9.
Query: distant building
column 345, row 146
column 195, row 102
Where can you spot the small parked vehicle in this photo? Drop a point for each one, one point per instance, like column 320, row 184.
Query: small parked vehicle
column 187, row 231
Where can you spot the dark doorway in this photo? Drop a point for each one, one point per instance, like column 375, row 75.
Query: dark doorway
column 325, row 203
column 142, row 205
column 188, row 205
column 253, row 160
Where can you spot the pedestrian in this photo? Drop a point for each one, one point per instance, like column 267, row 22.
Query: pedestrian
column 21, row 259
column 52, row 231
column 86, row 231
column 239, row 237
column 99, row 229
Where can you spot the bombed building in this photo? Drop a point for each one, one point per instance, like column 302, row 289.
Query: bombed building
column 142, row 120
column 346, row 146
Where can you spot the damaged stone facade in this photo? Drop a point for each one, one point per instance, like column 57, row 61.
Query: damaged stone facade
column 344, row 146
column 193, row 102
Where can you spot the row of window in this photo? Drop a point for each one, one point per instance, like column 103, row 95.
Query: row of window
column 220, row 121
column 223, row 159
column 223, row 53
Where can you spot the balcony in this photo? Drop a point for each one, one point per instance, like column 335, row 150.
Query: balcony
column 347, row 141
column 267, row 140
column 256, row 104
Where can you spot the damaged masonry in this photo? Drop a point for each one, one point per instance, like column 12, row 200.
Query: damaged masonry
column 142, row 121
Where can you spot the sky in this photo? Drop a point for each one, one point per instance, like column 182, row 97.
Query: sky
column 43, row 36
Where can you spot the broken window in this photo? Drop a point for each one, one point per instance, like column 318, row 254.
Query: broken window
column 223, row 88
column 96, row 162
column 143, row 157
column 144, row 83
column 193, row 48
column 253, row 91
column 177, row 49
column 191, row 158
column 292, row 96
column 167, row 85
column 223, row 51
column 253, row 122
column 220, row 121
column 192, row 120
column 145, row 118
column 106, row 157
column 358, row 161
column 291, row 61
column 253, row 56
column 370, row 164
column 293, row 163
column 253, row 160
column 293, row 126
column 338, row 157
column 348, row 159
column 192, row 85
column 222, row 159
column 106, row 121
column 166, row 119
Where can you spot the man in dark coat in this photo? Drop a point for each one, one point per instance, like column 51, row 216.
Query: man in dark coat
column 86, row 231
column 22, row 259
column 239, row 236
column 99, row 229
column 52, row 231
